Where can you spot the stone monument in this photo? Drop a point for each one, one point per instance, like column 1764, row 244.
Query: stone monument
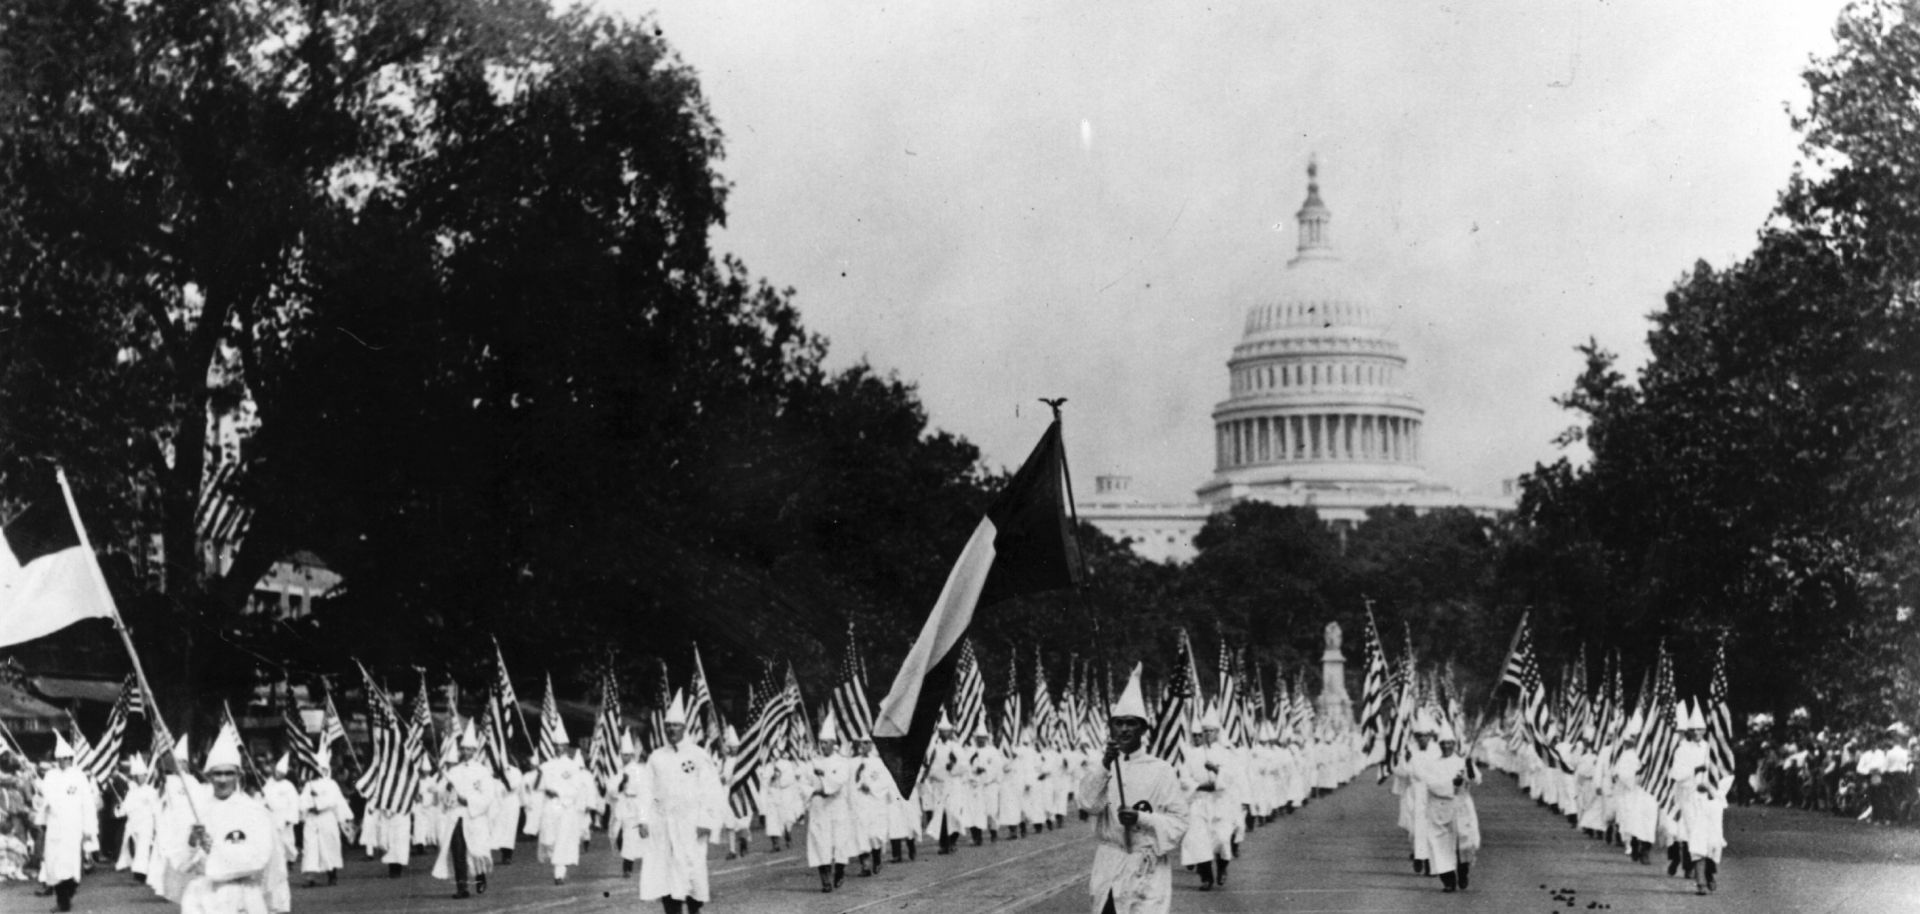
column 1333, row 704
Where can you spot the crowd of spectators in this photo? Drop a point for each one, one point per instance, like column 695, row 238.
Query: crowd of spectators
column 1866, row 773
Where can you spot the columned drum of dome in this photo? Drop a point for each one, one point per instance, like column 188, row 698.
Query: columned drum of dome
column 1317, row 394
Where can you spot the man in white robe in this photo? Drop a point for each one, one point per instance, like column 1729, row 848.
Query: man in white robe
column 71, row 821
column 467, row 794
column 231, row 852
column 1139, row 814
column 943, row 792
column 632, row 794
column 1700, row 790
column 782, row 800
column 283, row 803
column 1453, row 828
column 1213, row 810
column 683, row 817
column 141, row 808
column 1424, row 727
column 985, row 765
column 506, row 811
column 872, row 791
column 1634, row 808
column 824, row 780
column 565, row 787
column 323, row 814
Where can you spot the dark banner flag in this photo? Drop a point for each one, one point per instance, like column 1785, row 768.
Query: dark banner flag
column 1024, row 545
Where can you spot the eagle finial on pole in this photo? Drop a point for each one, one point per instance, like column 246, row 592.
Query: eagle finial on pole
column 1054, row 404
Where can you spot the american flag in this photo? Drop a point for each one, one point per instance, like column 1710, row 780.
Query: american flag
column 255, row 777
column 1663, row 734
column 1302, row 714
column 1536, row 710
column 1719, row 716
column 99, row 761
column 82, row 749
column 302, row 761
column 493, row 732
column 1046, row 717
column 1011, row 720
column 703, row 720
column 553, row 730
column 160, row 746
column 1374, row 719
column 332, row 730
column 420, row 736
column 507, row 702
column 1515, row 672
column 220, row 518
column 970, row 695
column 1233, row 724
column 849, row 698
column 662, row 696
column 1073, row 708
column 604, row 760
column 1172, row 726
column 766, row 739
column 1397, row 718
column 390, row 781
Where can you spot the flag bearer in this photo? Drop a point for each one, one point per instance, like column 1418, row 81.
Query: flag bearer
column 872, row 793
column 1213, row 810
column 467, row 797
column 283, row 801
column 985, row 765
column 943, row 794
column 829, row 817
column 71, row 821
column 683, row 817
column 1701, row 793
column 564, row 787
column 506, row 810
column 1633, row 807
column 141, row 807
column 1453, row 827
column 231, row 852
column 323, row 813
column 633, row 794
column 736, row 823
column 1139, row 815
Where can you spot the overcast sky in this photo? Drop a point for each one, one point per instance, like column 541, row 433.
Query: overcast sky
column 1080, row 198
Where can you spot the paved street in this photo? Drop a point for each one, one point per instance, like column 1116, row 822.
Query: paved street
column 1341, row 854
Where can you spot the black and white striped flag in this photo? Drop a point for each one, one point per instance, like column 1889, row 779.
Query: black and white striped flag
column 1023, row 545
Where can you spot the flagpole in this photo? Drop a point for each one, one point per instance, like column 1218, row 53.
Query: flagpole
column 119, row 625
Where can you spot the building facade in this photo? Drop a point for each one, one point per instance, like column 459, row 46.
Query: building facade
column 1318, row 412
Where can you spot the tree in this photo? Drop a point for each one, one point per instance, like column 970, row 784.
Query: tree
column 385, row 226
column 1758, row 477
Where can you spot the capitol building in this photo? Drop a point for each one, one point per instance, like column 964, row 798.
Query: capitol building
column 1318, row 412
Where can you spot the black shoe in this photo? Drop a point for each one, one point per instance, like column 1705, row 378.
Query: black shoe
column 460, row 891
column 626, row 868
column 333, row 877
column 480, row 884
column 839, row 874
column 1465, row 870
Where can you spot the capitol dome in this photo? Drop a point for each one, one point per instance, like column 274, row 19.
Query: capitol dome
column 1317, row 389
